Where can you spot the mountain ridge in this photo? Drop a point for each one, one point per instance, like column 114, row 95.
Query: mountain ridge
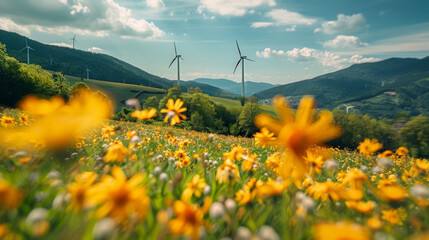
column 251, row 87
column 74, row 62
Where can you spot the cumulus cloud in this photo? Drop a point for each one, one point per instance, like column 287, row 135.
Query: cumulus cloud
column 61, row 44
column 95, row 49
column 343, row 41
column 305, row 54
column 359, row 59
column 89, row 17
column 9, row 25
column 155, row 4
column 232, row 8
column 345, row 24
column 261, row 24
column 288, row 18
column 283, row 17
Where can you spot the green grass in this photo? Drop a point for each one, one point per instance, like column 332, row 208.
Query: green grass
column 118, row 92
column 229, row 103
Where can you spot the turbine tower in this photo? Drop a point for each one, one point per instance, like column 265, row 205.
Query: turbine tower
column 74, row 40
column 178, row 57
column 87, row 73
column 242, row 58
column 28, row 51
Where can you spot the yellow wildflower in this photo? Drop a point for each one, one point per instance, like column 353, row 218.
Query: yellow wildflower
column 264, row 138
column 271, row 188
column 59, row 125
column 108, row 131
column 188, row 222
column 144, row 114
column 10, row 197
column 116, row 152
column 23, row 118
column 374, row 223
column 369, row 146
column 174, row 111
column 273, row 162
column 394, row 216
column 194, row 187
column 422, row 165
column 236, row 153
column 324, row 190
column 7, row 121
column 401, row 151
column 79, row 189
column 227, row 172
column 360, row 206
column 249, row 161
column 385, row 154
column 341, row 231
column 297, row 133
column 392, row 193
column 120, row 199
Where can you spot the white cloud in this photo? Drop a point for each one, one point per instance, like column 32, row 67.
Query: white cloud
column 61, row 44
column 288, row 18
column 359, row 59
column 86, row 17
column 283, row 17
column 261, row 24
column 95, row 49
column 345, row 24
column 79, row 8
column 232, row 7
column 343, row 41
column 155, row 4
column 291, row 29
column 264, row 54
column 305, row 54
column 9, row 25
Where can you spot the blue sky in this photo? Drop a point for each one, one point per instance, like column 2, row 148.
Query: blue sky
column 289, row 40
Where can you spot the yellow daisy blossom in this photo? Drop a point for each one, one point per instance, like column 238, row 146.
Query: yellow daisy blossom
column 369, row 146
column 144, row 114
column 296, row 133
column 120, row 198
column 174, row 111
column 264, row 138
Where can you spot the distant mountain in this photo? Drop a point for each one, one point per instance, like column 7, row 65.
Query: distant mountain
column 234, row 87
column 381, row 89
column 103, row 67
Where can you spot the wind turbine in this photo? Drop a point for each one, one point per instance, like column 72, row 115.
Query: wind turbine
column 242, row 58
column 178, row 57
column 74, row 40
column 28, row 51
column 87, row 73
column 349, row 107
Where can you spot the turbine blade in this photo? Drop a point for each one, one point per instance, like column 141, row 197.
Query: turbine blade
column 23, row 49
column 250, row 59
column 175, row 50
column 172, row 62
column 237, row 65
column 182, row 58
column 239, row 52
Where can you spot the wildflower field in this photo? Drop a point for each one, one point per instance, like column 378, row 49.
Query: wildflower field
column 67, row 172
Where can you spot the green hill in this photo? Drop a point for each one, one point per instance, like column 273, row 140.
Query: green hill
column 381, row 89
column 103, row 67
column 235, row 87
